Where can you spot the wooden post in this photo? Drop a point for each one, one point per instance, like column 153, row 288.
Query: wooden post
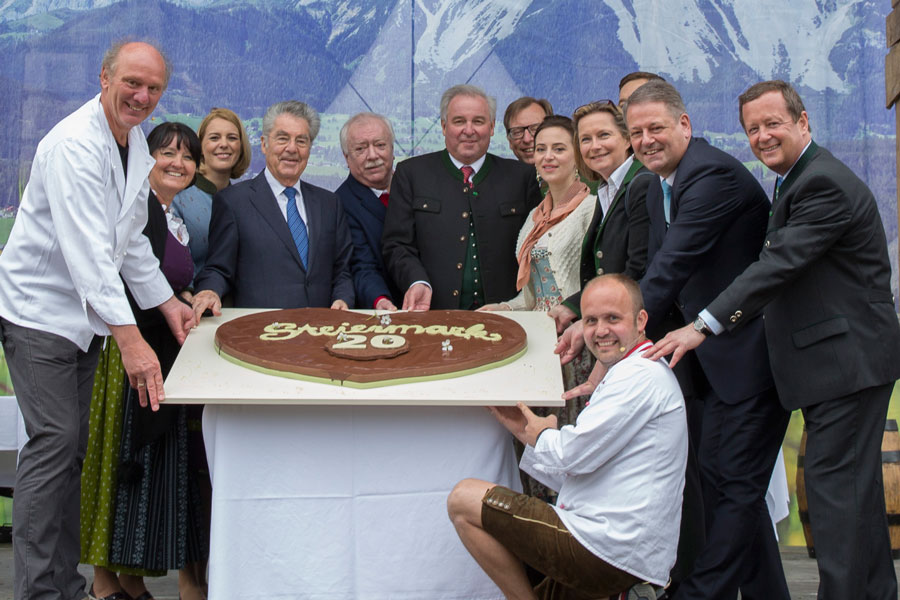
column 892, row 85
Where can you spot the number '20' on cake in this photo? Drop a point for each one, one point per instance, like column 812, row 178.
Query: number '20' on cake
column 363, row 350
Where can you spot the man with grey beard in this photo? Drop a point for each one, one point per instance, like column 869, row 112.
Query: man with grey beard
column 367, row 141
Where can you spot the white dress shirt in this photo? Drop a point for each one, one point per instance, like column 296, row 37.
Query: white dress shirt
column 78, row 228
column 282, row 199
column 620, row 469
column 476, row 166
column 607, row 193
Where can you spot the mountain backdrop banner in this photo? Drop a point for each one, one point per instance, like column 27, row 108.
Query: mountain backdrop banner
column 396, row 57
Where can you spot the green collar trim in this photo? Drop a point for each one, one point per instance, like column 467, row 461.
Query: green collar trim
column 457, row 174
column 798, row 167
column 205, row 185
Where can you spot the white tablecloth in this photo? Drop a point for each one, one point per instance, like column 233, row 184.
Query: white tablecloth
column 346, row 502
column 325, row 492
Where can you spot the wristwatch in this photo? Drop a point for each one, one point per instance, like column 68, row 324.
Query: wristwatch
column 700, row 326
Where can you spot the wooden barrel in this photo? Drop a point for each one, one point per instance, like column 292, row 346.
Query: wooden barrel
column 890, row 468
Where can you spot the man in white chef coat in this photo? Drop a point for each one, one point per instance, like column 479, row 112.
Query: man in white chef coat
column 619, row 471
column 77, row 236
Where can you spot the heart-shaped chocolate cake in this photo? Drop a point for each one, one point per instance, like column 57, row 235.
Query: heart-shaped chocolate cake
column 362, row 350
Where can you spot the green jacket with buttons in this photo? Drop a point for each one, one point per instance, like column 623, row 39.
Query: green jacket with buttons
column 433, row 219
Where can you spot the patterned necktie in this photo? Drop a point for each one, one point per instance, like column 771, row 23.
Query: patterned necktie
column 667, row 201
column 384, row 197
column 778, row 181
column 467, row 172
column 297, row 226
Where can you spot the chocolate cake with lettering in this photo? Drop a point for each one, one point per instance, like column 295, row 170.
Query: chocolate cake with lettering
column 363, row 350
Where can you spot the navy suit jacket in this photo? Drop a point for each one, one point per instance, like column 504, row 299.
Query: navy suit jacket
column 718, row 222
column 253, row 257
column 365, row 217
column 823, row 282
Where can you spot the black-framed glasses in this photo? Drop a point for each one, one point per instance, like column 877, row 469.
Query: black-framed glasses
column 517, row 133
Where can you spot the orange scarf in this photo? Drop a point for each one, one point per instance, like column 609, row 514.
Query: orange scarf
column 544, row 218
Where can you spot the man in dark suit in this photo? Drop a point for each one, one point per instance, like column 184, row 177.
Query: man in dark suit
column 367, row 141
column 707, row 222
column 451, row 227
column 822, row 282
column 633, row 81
column 276, row 241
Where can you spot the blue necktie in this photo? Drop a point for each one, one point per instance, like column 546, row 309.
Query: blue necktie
column 778, row 181
column 667, row 201
column 297, row 226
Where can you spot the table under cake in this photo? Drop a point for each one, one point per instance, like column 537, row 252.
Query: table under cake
column 328, row 492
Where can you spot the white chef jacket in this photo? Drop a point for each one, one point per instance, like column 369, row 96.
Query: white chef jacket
column 620, row 469
column 78, row 227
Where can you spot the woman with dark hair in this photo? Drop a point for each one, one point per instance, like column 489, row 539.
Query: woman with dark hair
column 549, row 246
column 225, row 156
column 141, row 511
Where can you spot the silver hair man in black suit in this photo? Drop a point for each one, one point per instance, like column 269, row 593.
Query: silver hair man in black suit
column 822, row 282
column 276, row 241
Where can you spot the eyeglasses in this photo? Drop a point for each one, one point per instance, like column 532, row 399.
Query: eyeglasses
column 517, row 133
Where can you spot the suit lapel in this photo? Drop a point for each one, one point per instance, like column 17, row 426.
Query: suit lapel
column 139, row 166
column 798, row 168
column 265, row 203
column 679, row 171
column 620, row 193
column 368, row 200
column 313, row 221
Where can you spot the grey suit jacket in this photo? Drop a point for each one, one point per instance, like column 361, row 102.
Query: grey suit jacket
column 253, row 257
column 822, row 282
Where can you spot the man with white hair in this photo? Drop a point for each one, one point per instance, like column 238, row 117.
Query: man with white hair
column 454, row 216
column 367, row 141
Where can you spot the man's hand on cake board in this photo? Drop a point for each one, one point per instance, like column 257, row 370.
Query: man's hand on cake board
column 563, row 315
column 384, row 303
column 418, row 297
column 587, row 388
column 207, row 299
column 570, row 343
column 523, row 423
column 339, row 305
column 493, row 307
column 179, row 317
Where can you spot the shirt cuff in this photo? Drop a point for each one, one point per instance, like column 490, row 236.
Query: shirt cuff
column 420, row 281
column 377, row 300
column 711, row 322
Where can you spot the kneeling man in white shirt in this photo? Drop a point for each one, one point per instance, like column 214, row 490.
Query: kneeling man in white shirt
column 619, row 472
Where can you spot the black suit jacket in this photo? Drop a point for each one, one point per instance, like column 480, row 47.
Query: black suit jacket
column 253, row 257
column 617, row 241
column 718, row 221
column 365, row 217
column 427, row 224
column 823, row 282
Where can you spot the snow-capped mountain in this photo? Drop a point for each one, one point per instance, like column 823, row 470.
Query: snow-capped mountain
column 770, row 37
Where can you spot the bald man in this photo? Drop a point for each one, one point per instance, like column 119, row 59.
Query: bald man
column 77, row 236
